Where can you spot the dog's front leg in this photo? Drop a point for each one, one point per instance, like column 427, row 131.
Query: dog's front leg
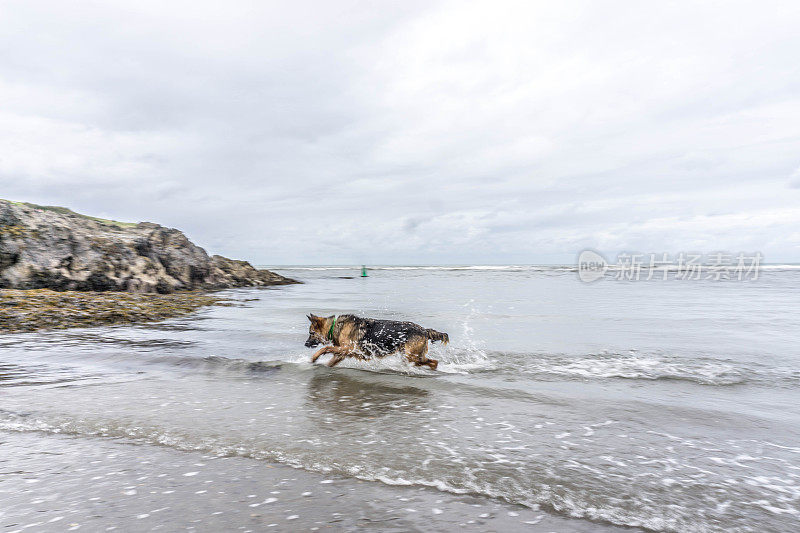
column 340, row 353
column 320, row 352
column 335, row 360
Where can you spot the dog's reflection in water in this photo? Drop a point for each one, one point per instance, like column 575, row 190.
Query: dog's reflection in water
column 362, row 397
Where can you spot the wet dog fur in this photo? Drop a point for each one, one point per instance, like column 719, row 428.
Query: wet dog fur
column 365, row 338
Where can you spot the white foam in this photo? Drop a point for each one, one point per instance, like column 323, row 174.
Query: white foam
column 637, row 366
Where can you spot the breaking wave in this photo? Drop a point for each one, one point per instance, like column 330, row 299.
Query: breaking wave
column 637, row 366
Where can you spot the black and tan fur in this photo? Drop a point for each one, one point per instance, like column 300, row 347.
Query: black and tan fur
column 365, row 338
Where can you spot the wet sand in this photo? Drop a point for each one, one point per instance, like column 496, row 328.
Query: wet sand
column 60, row 483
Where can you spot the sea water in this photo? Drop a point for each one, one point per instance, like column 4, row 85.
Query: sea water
column 664, row 405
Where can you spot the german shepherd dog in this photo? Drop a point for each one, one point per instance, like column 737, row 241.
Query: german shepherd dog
column 365, row 338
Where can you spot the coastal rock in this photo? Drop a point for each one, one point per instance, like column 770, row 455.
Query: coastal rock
column 44, row 247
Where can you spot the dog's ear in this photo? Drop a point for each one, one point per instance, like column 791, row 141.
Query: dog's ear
column 310, row 317
column 332, row 316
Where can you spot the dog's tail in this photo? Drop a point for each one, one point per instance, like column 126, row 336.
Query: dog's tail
column 437, row 336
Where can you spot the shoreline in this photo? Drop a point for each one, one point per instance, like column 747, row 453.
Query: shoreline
column 125, row 485
column 30, row 310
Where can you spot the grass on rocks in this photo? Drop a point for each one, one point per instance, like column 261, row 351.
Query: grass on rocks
column 42, row 309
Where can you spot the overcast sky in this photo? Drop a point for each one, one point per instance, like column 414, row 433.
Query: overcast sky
column 338, row 132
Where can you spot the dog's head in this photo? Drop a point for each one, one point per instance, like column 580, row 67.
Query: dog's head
column 317, row 333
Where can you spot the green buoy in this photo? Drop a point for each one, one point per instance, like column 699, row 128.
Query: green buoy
column 363, row 271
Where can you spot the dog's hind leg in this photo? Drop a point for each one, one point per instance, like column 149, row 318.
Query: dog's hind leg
column 433, row 363
column 416, row 353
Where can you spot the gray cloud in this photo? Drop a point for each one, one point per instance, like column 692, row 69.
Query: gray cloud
column 335, row 132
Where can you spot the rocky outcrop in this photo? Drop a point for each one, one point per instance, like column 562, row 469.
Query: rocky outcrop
column 55, row 248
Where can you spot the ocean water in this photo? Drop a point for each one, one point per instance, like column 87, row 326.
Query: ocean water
column 660, row 405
